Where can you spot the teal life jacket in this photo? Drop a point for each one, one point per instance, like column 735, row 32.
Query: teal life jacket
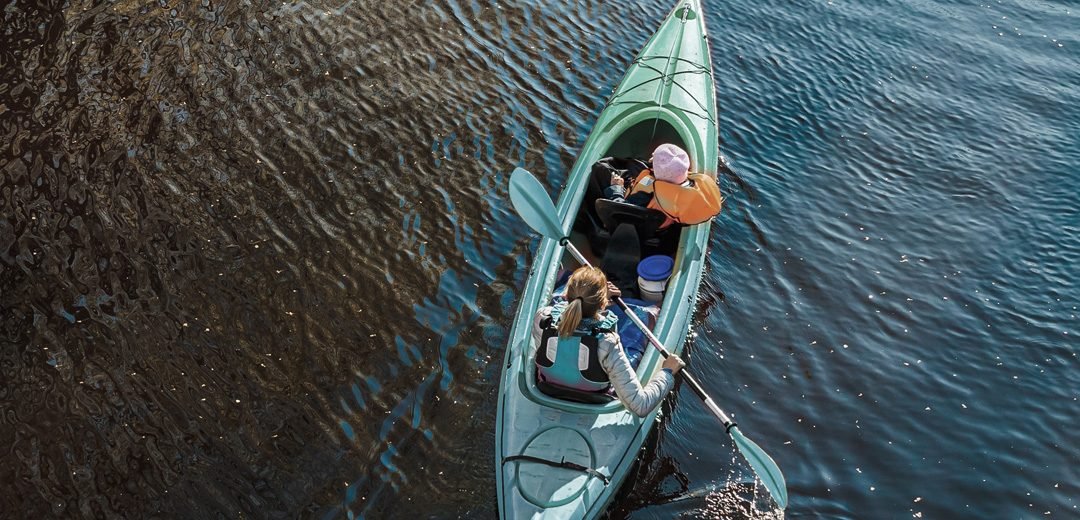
column 573, row 362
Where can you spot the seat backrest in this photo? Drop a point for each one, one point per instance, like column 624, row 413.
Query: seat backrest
column 645, row 220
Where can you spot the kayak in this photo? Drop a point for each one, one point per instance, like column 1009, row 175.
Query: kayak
column 557, row 458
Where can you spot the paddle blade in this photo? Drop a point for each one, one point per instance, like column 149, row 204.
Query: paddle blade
column 763, row 466
column 532, row 203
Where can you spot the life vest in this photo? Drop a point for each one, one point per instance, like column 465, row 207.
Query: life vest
column 693, row 203
column 572, row 362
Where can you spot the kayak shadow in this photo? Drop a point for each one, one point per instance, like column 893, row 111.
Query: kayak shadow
column 657, row 487
column 729, row 500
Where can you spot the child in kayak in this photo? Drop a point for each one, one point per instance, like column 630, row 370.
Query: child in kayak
column 579, row 347
column 683, row 197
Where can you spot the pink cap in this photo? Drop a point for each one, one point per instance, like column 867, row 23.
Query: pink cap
column 670, row 164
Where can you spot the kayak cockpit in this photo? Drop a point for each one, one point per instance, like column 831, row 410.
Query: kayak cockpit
column 597, row 219
column 597, row 232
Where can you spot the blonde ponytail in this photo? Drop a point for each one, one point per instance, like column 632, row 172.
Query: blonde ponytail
column 587, row 294
column 571, row 318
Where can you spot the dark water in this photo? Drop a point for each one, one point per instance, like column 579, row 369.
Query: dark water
column 258, row 260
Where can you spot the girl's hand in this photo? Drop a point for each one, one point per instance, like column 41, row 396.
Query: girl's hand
column 674, row 363
column 613, row 292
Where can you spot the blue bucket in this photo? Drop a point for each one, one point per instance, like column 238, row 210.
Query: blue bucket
column 653, row 273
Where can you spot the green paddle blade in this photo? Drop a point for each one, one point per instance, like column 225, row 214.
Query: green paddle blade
column 763, row 465
column 532, row 203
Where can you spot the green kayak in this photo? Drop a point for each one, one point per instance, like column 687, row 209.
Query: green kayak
column 557, row 458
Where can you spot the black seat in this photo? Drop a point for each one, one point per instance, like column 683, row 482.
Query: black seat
column 645, row 221
column 633, row 229
column 588, row 221
column 572, row 394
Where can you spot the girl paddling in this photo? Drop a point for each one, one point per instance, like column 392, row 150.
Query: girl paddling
column 578, row 347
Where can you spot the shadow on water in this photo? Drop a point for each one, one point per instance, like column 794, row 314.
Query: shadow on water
column 657, row 487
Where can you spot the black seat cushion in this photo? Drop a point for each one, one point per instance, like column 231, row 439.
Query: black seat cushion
column 571, row 394
column 588, row 221
column 646, row 221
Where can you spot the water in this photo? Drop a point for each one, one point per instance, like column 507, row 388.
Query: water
column 257, row 259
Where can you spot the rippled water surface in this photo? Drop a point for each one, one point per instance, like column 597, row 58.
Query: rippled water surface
column 258, row 259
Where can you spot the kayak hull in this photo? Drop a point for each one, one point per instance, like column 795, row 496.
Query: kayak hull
column 667, row 95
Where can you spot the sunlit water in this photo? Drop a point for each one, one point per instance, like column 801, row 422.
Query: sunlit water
column 258, row 259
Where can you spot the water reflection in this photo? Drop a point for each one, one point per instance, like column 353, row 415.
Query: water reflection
column 257, row 259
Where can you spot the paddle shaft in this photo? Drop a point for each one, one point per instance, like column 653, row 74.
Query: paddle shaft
column 694, row 385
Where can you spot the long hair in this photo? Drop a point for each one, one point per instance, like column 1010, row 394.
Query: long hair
column 588, row 294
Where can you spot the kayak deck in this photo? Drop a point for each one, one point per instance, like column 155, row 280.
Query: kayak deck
column 666, row 96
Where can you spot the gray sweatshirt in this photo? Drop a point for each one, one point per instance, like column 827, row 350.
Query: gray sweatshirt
column 641, row 400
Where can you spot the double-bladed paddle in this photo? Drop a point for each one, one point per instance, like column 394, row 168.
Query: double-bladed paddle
column 532, row 203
